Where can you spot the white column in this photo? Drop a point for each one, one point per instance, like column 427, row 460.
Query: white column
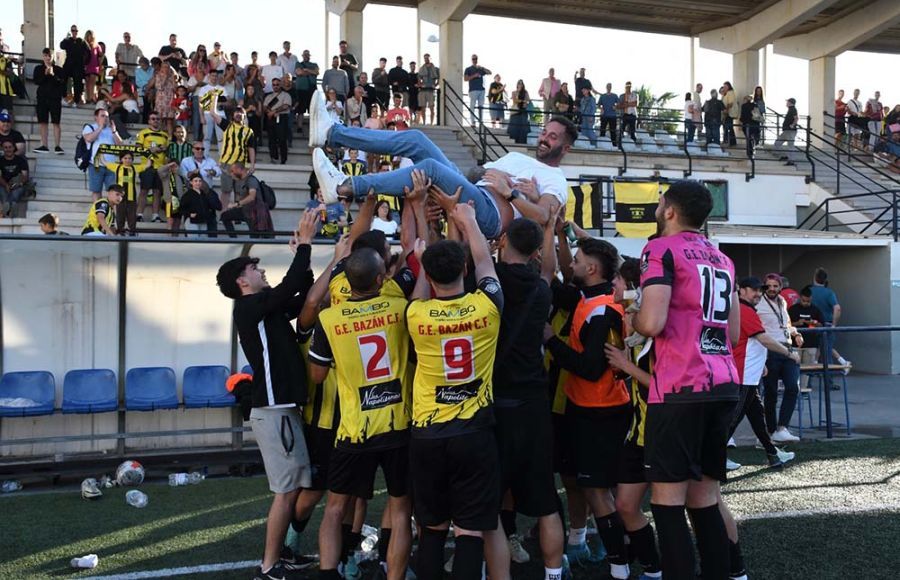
column 821, row 93
column 451, row 55
column 693, row 63
column 745, row 72
column 352, row 32
column 38, row 35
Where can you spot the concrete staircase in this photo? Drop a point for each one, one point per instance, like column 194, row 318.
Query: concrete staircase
column 62, row 189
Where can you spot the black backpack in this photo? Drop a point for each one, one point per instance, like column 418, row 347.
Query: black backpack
column 83, row 152
column 268, row 194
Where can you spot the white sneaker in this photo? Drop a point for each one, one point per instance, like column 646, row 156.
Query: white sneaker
column 784, row 456
column 516, row 551
column 731, row 443
column 329, row 176
column 731, row 465
column 782, row 435
column 319, row 121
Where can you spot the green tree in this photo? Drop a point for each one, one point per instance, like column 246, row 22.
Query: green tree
column 654, row 115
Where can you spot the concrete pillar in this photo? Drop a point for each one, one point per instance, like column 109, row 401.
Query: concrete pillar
column 451, row 60
column 693, row 62
column 821, row 93
column 38, row 29
column 745, row 72
column 352, row 32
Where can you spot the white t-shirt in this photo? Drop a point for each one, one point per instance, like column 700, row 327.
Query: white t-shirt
column 269, row 72
column 389, row 227
column 550, row 180
column 104, row 138
column 754, row 361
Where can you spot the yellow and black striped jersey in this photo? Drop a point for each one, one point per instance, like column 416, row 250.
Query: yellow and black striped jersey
column 455, row 343
column 643, row 356
column 401, row 285
column 100, row 210
column 158, row 140
column 237, row 140
column 368, row 343
column 127, row 177
column 559, row 320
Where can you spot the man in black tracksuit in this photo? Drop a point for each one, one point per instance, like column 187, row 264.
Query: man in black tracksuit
column 262, row 316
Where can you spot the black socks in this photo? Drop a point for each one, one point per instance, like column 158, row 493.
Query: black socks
column 643, row 547
column 675, row 545
column 508, row 519
column 612, row 532
column 712, row 542
column 384, row 540
column 468, row 558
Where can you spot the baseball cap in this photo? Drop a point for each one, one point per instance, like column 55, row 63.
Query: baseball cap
column 4, row 116
column 229, row 272
column 750, row 282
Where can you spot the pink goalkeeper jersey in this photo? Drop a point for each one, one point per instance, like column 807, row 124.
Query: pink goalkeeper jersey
column 694, row 362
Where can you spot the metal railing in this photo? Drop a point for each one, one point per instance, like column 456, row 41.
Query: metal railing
column 884, row 221
column 457, row 111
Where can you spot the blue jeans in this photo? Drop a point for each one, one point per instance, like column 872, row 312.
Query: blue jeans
column 476, row 102
column 100, row 178
column 427, row 157
column 783, row 368
column 587, row 129
column 689, row 128
column 12, row 197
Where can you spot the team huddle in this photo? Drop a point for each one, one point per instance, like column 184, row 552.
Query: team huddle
column 472, row 381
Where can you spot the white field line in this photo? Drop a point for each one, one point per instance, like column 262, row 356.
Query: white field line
column 207, row 568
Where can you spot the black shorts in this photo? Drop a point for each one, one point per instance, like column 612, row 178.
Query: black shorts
column 457, row 479
column 320, row 444
column 49, row 110
column 150, row 179
column 631, row 464
column 840, row 127
column 353, row 472
column 525, row 444
column 596, row 437
column 563, row 458
column 684, row 441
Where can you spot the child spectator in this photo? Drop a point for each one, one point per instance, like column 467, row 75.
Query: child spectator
column 353, row 166
column 49, row 223
column 182, row 104
column 99, row 221
column 127, row 179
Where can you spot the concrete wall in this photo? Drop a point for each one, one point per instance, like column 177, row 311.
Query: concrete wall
column 767, row 200
column 863, row 278
column 60, row 312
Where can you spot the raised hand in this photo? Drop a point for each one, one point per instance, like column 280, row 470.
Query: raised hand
column 444, row 201
column 306, row 228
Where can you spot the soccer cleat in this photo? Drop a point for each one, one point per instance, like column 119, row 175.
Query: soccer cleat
column 731, row 465
column 782, row 435
column 578, row 554
column 517, row 551
column 598, row 551
column 41, row 149
column 292, row 561
column 731, row 443
column 276, row 572
column 329, row 176
column 90, row 489
column 319, row 121
column 779, row 458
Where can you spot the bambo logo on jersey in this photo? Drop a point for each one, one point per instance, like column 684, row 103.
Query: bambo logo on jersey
column 456, row 394
column 451, row 312
column 365, row 308
column 379, row 396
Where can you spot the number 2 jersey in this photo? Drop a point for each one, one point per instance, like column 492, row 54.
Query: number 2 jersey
column 455, row 341
column 694, row 361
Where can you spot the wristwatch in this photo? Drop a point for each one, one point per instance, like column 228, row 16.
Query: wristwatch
column 514, row 194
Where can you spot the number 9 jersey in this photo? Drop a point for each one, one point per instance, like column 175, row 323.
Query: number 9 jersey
column 694, row 362
column 455, row 341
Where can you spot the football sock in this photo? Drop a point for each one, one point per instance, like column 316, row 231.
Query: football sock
column 612, row 532
column 384, row 540
column 299, row 525
column 643, row 546
column 712, row 541
column 431, row 554
column 736, row 559
column 468, row 558
column 577, row 536
column 552, row 573
column 508, row 519
column 675, row 545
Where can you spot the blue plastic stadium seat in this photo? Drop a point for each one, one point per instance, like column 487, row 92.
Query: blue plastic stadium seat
column 247, row 369
column 39, row 386
column 204, row 386
column 150, row 388
column 90, row 391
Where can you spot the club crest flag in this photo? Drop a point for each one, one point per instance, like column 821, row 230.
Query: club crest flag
column 635, row 208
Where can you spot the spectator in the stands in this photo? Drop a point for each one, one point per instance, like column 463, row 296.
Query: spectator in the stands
column 277, row 108
column 196, row 208
column 609, row 106
column 383, row 220
column 519, row 125
column 588, row 111
column 382, row 84
column 496, row 101
column 840, row 118
column 174, row 55
column 628, row 104
column 287, row 59
column 689, row 114
column 712, row 117
column 305, row 74
column 826, row 301
column 217, row 59
column 474, row 75
column 412, row 88
column 581, row 81
column 804, row 314
column 698, row 102
column 13, row 179
column 874, row 113
column 352, row 165
column 332, row 216
column 51, row 87
column 76, row 51
column 399, row 80
column 142, row 76
column 349, row 65
column 428, row 80
column 732, row 113
column 548, row 89
column 238, row 69
column 398, row 115
column 210, row 98
column 101, row 132
column 563, row 103
column 233, row 88
column 128, row 112
column 164, row 83
column 335, row 78
column 333, row 105
column 788, row 129
column 890, row 153
column 92, row 70
column 249, row 207
column 253, row 79
column 49, row 224
column 790, row 295
column 198, row 66
column 270, row 72
column 201, row 163
column 115, row 94
column 128, row 55
column 253, row 105
column 355, row 109
column 368, row 92
column 750, row 124
column 178, row 150
column 7, row 133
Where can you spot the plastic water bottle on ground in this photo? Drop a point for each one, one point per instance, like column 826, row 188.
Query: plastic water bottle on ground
column 89, row 561
column 136, row 498
column 11, row 485
column 195, row 477
column 177, row 479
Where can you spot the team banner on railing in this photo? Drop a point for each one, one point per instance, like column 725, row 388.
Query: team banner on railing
column 583, row 206
column 635, row 208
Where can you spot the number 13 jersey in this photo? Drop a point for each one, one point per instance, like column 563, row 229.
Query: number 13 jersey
column 455, row 341
column 694, row 361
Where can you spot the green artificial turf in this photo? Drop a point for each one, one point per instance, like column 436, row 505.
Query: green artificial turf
column 221, row 520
